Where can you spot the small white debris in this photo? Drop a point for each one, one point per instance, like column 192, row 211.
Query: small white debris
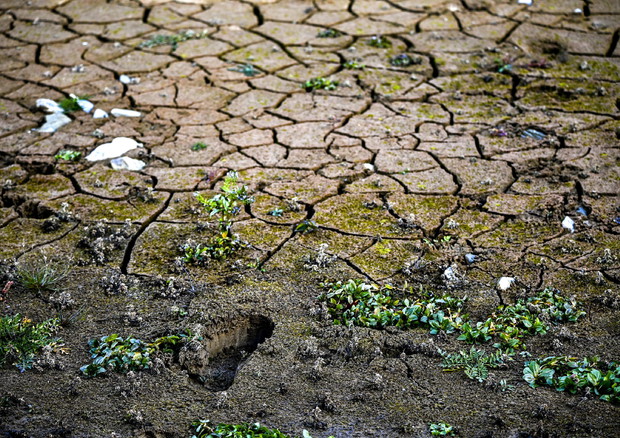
column 569, row 224
column 369, row 167
column 128, row 80
column 505, row 282
column 577, row 11
column 86, row 105
column 126, row 163
column 525, row 2
column 49, row 106
column 53, row 122
column 450, row 274
column 117, row 112
column 100, row 114
column 116, row 148
column 78, row 68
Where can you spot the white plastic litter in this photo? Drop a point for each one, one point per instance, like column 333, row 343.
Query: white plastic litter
column 86, row 105
column 505, row 282
column 126, row 163
column 54, row 122
column 128, row 80
column 525, row 2
column 369, row 167
column 450, row 275
column 49, row 106
column 569, row 224
column 100, row 114
column 117, row 112
column 116, row 148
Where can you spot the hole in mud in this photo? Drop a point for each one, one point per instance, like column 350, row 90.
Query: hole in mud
column 215, row 360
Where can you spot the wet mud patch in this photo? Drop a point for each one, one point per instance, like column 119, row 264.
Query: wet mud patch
column 214, row 358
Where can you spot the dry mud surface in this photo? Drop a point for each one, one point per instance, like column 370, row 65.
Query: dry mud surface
column 506, row 123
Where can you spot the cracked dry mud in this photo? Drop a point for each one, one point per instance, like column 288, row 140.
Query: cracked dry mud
column 506, row 122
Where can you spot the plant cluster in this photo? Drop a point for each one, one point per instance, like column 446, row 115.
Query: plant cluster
column 173, row 40
column 225, row 206
column 114, row 353
column 205, row 429
column 68, row 155
column 511, row 323
column 199, row 146
column 329, row 33
column 319, row 84
column 41, row 276
column 21, row 339
column 380, row 42
column 354, row 65
column 475, row 363
column 71, row 104
column 404, row 60
column 306, row 226
column 568, row 374
column 370, row 305
column 441, row 429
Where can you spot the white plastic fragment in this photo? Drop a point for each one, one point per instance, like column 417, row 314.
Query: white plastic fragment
column 525, row 2
column 128, row 80
column 117, row 112
column 86, row 105
column 369, row 167
column 116, row 148
column 54, row 122
column 100, row 114
column 505, row 282
column 126, row 163
column 450, row 275
column 569, row 224
column 49, row 106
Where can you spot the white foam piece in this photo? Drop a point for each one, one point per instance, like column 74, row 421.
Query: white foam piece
column 116, row 148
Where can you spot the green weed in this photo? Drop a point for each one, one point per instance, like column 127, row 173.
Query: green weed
column 329, row 33
column 173, row 40
column 441, row 429
column 225, row 206
column 320, row 84
column 198, row 146
column 571, row 375
column 379, row 41
column 21, row 339
column 475, row 363
column 41, row 276
column 370, row 305
column 114, row 353
column 354, row 65
column 68, row 155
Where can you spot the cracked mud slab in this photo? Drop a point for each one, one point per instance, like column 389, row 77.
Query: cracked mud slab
column 503, row 121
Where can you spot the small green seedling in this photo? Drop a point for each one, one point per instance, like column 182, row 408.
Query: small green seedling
column 68, row 155
column 354, row 65
column 226, row 206
column 329, row 33
column 380, row 42
column 70, row 104
column 404, row 60
column 441, row 429
column 276, row 212
column 173, row 40
column 306, row 226
column 199, row 146
column 21, row 339
column 320, row 84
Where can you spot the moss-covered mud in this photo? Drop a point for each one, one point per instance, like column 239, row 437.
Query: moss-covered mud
column 445, row 175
